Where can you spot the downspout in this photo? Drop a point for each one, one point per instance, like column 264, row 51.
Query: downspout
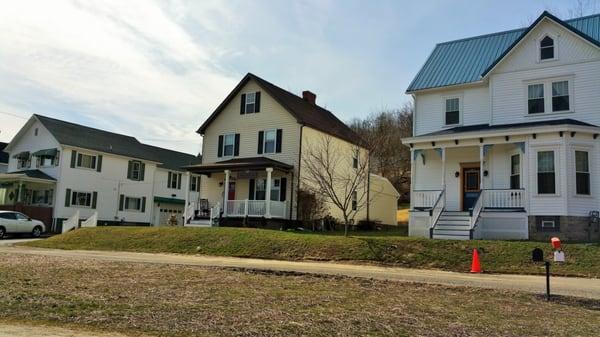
column 291, row 194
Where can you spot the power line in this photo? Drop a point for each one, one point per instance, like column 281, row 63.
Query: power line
column 12, row 114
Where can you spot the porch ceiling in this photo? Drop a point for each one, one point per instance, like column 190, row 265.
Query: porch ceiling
column 240, row 164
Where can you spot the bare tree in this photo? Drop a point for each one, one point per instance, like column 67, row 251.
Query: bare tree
column 337, row 174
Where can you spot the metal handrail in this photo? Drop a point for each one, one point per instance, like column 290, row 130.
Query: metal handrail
column 475, row 212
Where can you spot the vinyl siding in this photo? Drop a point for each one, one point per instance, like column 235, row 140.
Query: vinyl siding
column 384, row 201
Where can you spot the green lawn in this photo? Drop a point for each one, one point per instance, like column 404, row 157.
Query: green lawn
column 382, row 248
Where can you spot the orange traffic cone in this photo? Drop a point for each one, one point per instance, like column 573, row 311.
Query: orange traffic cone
column 475, row 265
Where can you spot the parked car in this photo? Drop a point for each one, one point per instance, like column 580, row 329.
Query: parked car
column 19, row 223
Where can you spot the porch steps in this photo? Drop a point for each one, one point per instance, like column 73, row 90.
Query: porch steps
column 200, row 223
column 453, row 226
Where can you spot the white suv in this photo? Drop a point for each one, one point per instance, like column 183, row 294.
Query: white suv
column 19, row 223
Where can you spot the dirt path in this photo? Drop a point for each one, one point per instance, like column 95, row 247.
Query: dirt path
column 579, row 287
column 18, row 330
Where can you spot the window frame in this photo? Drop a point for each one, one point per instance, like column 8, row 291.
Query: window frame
column 513, row 174
column 246, row 104
column 265, row 132
column 263, row 183
column 225, row 145
column 50, row 197
column 126, row 200
column 194, row 183
column 354, row 200
column 555, row 171
column 139, row 170
column 539, row 48
column 445, row 99
column 92, row 156
column 24, row 163
column 548, row 95
column 589, row 171
column 175, row 177
column 74, row 197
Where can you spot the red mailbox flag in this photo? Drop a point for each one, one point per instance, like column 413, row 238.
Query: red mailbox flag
column 555, row 242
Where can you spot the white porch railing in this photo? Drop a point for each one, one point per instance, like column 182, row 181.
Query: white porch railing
column 436, row 210
column 91, row 221
column 425, row 198
column 504, row 198
column 476, row 211
column 255, row 208
column 71, row 223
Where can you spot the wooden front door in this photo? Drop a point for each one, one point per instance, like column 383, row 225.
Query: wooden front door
column 471, row 185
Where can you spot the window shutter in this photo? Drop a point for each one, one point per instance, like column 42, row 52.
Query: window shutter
column 143, row 204
column 73, row 158
column 94, row 199
column 93, row 162
column 236, row 146
column 129, row 169
column 243, row 104
column 278, row 140
column 179, row 181
column 220, row 149
column 38, row 162
column 99, row 164
column 261, row 137
column 251, row 189
column 121, row 202
column 283, row 189
column 257, row 102
column 169, row 179
column 142, row 171
column 68, row 198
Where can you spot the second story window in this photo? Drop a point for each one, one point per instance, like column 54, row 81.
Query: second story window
column 535, row 98
column 194, row 183
column 23, row 160
column 355, row 159
column 135, row 170
column 547, row 48
column 269, row 141
column 452, row 111
column 229, row 145
column 174, row 181
column 560, row 96
column 86, row 161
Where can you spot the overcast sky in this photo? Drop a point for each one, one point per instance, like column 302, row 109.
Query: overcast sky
column 156, row 69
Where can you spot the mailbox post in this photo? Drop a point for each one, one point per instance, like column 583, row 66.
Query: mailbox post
column 537, row 255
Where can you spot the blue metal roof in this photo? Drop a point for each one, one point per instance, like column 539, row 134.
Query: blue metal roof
column 466, row 60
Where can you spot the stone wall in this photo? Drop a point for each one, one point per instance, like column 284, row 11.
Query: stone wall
column 567, row 228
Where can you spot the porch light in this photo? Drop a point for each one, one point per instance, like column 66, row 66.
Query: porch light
column 457, row 174
column 485, row 173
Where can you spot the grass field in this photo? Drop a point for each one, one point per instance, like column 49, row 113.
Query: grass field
column 372, row 247
column 155, row 300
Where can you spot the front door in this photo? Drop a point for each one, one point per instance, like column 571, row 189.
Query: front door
column 231, row 192
column 471, row 186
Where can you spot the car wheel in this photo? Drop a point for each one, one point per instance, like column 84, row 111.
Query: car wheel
column 36, row 232
column 2, row 232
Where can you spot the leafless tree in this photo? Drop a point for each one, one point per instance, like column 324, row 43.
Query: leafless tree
column 333, row 174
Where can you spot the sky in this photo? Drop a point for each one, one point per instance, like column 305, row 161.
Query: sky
column 157, row 69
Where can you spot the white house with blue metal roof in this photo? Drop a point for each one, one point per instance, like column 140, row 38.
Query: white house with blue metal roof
column 505, row 134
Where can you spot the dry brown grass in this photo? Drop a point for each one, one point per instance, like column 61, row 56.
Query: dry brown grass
column 191, row 301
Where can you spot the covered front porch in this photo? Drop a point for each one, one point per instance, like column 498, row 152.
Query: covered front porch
column 242, row 188
column 30, row 192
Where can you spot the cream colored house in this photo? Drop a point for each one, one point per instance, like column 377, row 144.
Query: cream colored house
column 254, row 151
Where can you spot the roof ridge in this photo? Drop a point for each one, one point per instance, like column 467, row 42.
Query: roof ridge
column 87, row 127
column 165, row 149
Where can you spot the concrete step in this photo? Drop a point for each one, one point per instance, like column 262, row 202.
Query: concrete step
column 453, row 213
column 455, row 217
column 452, row 227
column 445, row 231
column 450, row 237
column 454, row 222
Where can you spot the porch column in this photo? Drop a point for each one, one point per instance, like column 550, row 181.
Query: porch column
column 481, row 166
column 225, row 193
column 412, row 177
column 20, row 192
column 268, row 193
column 187, row 198
column 443, row 168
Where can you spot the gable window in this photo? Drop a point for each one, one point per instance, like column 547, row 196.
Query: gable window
column 35, row 132
column 515, row 172
column 174, row 180
column 546, row 177
column 228, row 144
column 452, row 115
column 547, row 48
column 250, row 101
column 81, row 199
column 582, row 173
column 560, row 96
column 535, row 98
column 86, row 161
column 194, row 183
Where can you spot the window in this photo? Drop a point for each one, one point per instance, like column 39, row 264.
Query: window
column 545, row 174
column 547, row 48
column 23, row 162
column 86, row 161
column 228, row 144
column 452, row 111
column 535, row 102
column 174, row 180
column 42, row 197
column 259, row 189
column 136, row 170
column 35, row 132
column 355, row 159
column 354, row 201
column 81, row 199
column 133, row 204
column 582, row 173
column 250, row 101
column 46, row 161
column 515, row 171
column 275, row 188
column 195, row 184
column 560, row 96
column 270, row 141
column 548, row 224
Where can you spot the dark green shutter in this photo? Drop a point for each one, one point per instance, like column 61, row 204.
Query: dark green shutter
column 179, row 181
column 121, row 202
column 282, row 189
column 68, row 198
column 129, row 169
column 142, row 171
column 261, row 137
column 99, row 164
column 257, row 102
column 236, row 145
column 251, row 189
column 169, row 180
column 278, row 140
column 94, row 162
column 79, row 159
column 143, row 204
column 94, row 199
column 243, row 104
column 220, row 149
column 73, row 158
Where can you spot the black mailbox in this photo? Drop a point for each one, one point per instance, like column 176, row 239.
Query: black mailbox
column 537, row 255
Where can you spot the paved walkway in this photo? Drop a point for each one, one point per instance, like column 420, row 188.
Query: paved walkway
column 580, row 287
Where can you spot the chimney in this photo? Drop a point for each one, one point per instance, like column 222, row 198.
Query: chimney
column 309, row 97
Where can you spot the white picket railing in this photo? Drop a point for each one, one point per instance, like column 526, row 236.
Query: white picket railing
column 71, row 223
column 504, row 198
column 425, row 198
column 278, row 209
column 255, row 208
